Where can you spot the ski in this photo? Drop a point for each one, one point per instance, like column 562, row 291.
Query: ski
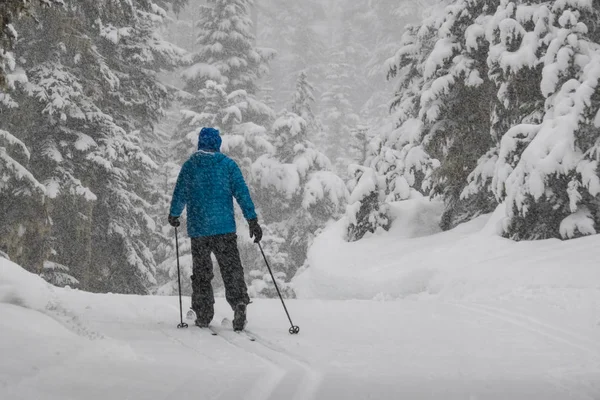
column 246, row 334
column 191, row 316
column 249, row 336
column 211, row 330
column 208, row 329
column 226, row 323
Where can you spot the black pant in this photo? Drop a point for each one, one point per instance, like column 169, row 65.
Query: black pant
column 225, row 249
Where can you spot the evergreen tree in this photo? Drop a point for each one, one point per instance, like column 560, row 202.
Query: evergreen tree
column 226, row 48
column 164, row 244
column 137, row 107
column 443, row 97
column 366, row 209
column 303, row 101
column 307, row 46
column 518, row 98
column 260, row 281
column 91, row 97
column 222, row 82
column 553, row 189
column 338, row 114
column 302, row 192
column 498, row 102
column 21, row 194
column 58, row 275
column 10, row 12
column 455, row 110
column 21, row 200
column 267, row 93
column 359, row 143
column 544, row 199
column 399, row 155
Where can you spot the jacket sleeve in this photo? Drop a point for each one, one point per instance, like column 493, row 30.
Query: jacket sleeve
column 180, row 193
column 240, row 191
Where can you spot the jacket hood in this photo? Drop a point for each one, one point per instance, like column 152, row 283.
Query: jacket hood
column 205, row 158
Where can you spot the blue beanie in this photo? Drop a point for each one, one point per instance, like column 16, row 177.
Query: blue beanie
column 209, row 140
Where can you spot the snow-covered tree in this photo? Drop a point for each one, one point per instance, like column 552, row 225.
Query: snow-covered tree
column 454, row 108
column 297, row 182
column 92, row 95
column 21, row 194
column 442, row 108
column 267, row 92
column 359, row 143
column 226, row 51
column 167, row 269
column 58, row 275
column 553, row 189
column 165, row 252
column 21, row 201
column 367, row 210
column 223, row 81
column 398, row 154
column 485, row 90
column 303, row 102
column 540, row 54
column 515, row 70
column 338, row 115
column 10, row 12
column 260, row 282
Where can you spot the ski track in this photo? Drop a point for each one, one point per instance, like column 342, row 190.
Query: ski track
column 291, row 378
column 557, row 334
column 187, row 345
column 311, row 379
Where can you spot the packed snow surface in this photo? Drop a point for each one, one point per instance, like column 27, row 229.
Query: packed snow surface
column 408, row 314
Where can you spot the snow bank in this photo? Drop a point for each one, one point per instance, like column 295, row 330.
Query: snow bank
column 470, row 262
column 22, row 288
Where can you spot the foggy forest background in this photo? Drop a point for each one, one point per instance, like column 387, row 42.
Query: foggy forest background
column 333, row 109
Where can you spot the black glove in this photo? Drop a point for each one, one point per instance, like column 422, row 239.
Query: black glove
column 174, row 221
column 255, row 230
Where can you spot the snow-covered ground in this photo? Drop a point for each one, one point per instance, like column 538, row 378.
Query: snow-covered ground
column 409, row 314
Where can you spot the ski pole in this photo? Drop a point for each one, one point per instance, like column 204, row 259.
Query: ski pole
column 182, row 324
column 294, row 330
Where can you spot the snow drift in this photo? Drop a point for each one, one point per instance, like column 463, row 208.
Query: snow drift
column 470, row 262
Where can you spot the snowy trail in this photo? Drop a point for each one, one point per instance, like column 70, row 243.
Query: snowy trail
column 508, row 340
column 128, row 347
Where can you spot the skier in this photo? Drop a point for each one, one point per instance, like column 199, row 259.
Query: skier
column 207, row 183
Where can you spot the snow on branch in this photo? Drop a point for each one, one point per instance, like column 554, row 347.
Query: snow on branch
column 202, row 71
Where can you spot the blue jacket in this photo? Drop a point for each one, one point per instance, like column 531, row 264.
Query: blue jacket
column 207, row 184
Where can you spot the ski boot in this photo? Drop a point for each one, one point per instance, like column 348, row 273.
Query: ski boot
column 201, row 324
column 239, row 317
